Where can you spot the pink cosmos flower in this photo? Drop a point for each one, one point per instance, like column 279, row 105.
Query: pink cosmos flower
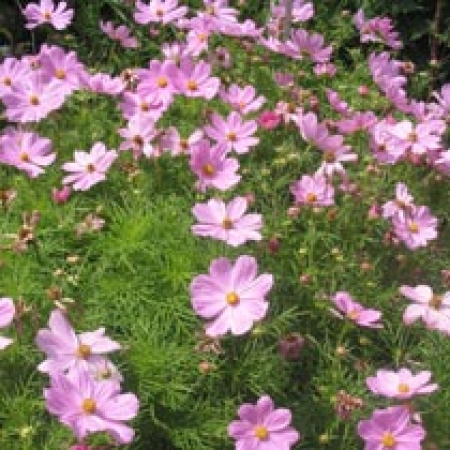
column 11, row 72
column 88, row 406
column 59, row 16
column 269, row 120
column 194, row 79
column 432, row 308
column 401, row 385
column 386, row 148
column 64, row 66
column 262, row 427
column 356, row 122
column 233, row 132
column 89, row 168
column 121, row 34
column 443, row 98
column 416, row 228
column 7, row 313
column 313, row 191
column 301, row 11
column 158, row 80
column 377, row 29
column 173, row 142
column 244, row 100
column 103, row 83
column 354, row 311
column 139, row 104
column 159, row 11
column 26, row 151
column 403, row 202
column 138, row 134
column 231, row 296
column 67, row 351
column 302, row 43
column 421, row 138
column 335, row 101
column 32, row 100
column 325, row 69
column 390, row 429
column 212, row 167
column 227, row 222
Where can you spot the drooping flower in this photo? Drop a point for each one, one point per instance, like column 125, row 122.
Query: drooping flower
column 391, row 429
column 89, row 406
column 401, row 385
column 121, row 34
column 212, row 167
column 7, row 312
column 244, row 100
column 89, row 168
column 354, row 311
column 232, row 297
column 227, row 222
column 262, row 427
column 66, row 350
column 59, row 16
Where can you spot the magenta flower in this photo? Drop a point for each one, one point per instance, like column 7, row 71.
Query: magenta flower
column 159, row 11
column 88, row 406
column 391, row 429
column 233, row 133
column 62, row 195
column 313, row 191
column 7, row 313
column 416, row 228
column 26, row 151
column 67, row 351
column 121, row 34
column 212, row 167
column 59, row 16
column 269, row 120
column 354, row 311
column 89, row 168
column 433, row 309
column 262, row 427
column 227, row 222
column 244, row 100
column 401, row 385
column 302, row 43
column 231, row 296
column 194, row 79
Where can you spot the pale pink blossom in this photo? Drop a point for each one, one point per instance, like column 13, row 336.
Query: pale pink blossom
column 227, row 221
column 59, row 15
column 7, row 313
column 231, row 297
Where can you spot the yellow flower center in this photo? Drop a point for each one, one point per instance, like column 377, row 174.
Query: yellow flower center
column 7, row 81
column 192, row 85
column 311, row 198
column 353, row 314
column 412, row 137
column 184, row 145
column 208, row 170
column 138, row 141
column 227, row 223
column 160, row 12
column 202, row 37
column 261, row 432
column 34, row 100
column 231, row 136
column 60, row 74
column 403, row 388
column 388, row 440
column 24, row 157
column 413, row 227
column 145, row 107
column 46, row 15
column 83, row 351
column 89, row 406
column 232, row 298
column 162, row 82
